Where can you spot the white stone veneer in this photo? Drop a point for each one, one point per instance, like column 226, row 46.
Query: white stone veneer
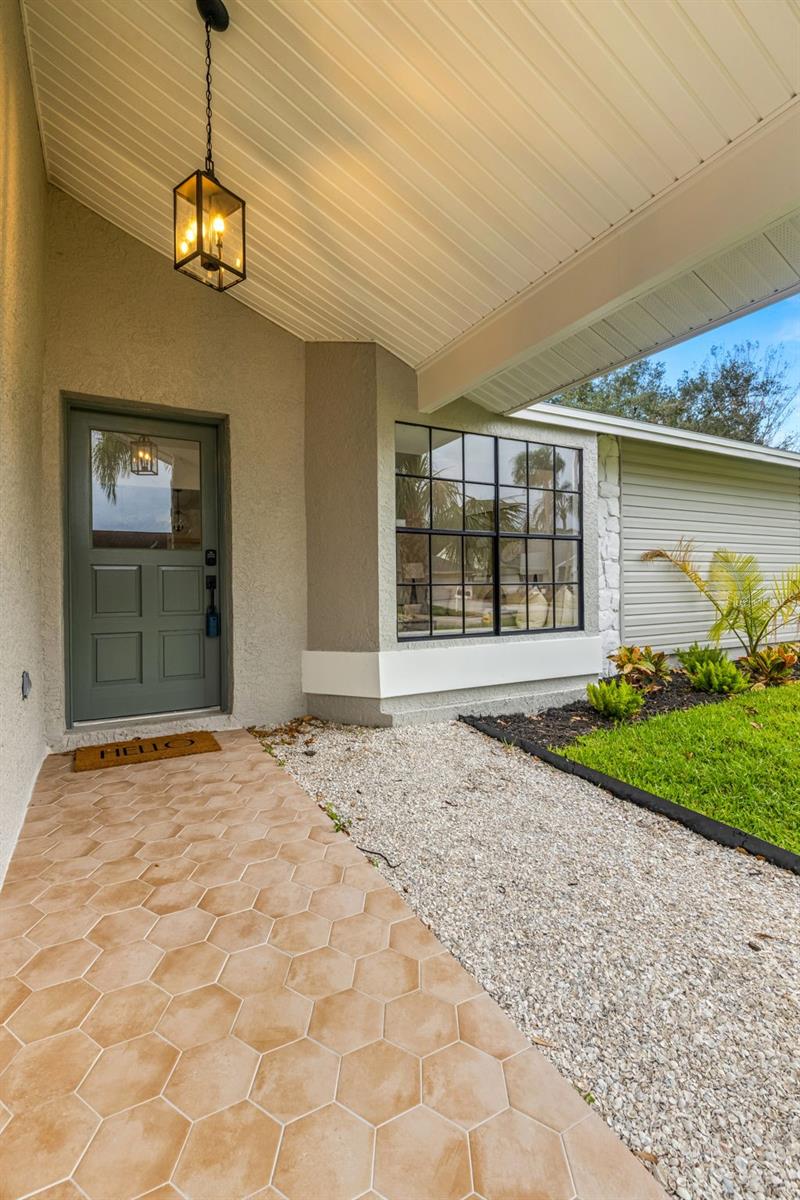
column 610, row 536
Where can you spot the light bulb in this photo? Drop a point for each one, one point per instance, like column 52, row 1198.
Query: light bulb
column 219, row 225
column 184, row 248
column 191, row 232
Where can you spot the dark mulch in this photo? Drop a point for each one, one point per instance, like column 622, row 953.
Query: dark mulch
column 560, row 726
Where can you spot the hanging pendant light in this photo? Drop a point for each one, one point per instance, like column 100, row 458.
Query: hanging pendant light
column 144, row 456
column 209, row 219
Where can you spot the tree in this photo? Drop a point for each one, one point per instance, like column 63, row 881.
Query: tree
column 737, row 393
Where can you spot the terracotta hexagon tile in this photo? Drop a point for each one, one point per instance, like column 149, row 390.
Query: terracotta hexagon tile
column 379, row 1081
column 199, row 1016
column 126, row 1013
column 421, row 1023
column 419, row 1155
column 601, row 1165
column 12, row 994
column 328, row 1153
column 282, row 899
column 116, row 896
column 414, row 939
column 212, row 1076
column 42, row 1146
column 513, row 1156
column 46, row 1069
column 364, row 877
column 302, row 852
column 535, row 1087
column 156, row 852
column 320, row 973
column 343, row 853
column 132, row 1152
column 60, row 1191
column 228, row 898
column 118, row 929
column 70, row 847
column 359, row 935
column 254, row 970
column 337, row 901
column 121, row 871
column 128, row 1074
column 386, row 904
column 246, row 831
column 154, row 831
column 66, row 926
column 346, row 1021
column 317, row 874
column 112, row 851
column 241, row 930
column 171, row 897
column 483, row 1024
column 14, row 953
column 181, row 928
column 53, row 1010
column 60, row 896
column 9, row 1046
column 16, row 921
column 442, row 976
column 386, row 975
column 123, row 965
column 259, row 850
column 228, row 1154
column 288, row 831
column 267, row 874
column 295, row 1079
column 463, row 1084
column 272, row 1018
column 189, row 967
column 54, row 964
column 23, row 892
column 300, row 932
column 213, row 874
column 171, row 870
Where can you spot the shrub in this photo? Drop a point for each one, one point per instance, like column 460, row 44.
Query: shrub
column 770, row 667
column 642, row 666
column 696, row 656
column 722, row 678
column 614, row 698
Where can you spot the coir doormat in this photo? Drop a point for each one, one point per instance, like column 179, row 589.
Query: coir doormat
column 141, row 750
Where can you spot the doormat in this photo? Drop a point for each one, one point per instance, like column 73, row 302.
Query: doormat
column 142, row 750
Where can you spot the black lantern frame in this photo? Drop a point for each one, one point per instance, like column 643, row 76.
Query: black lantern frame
column 144, row 456
column 212, row 253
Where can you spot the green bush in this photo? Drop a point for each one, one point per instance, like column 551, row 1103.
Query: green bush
column 642, row 666
column 771, row 667
column 614, row 698
column 697, row 656
column 722, row 678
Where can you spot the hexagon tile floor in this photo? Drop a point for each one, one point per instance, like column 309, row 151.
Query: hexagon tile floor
column 210, row 994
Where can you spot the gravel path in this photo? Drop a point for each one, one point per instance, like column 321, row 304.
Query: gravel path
column 622, row 939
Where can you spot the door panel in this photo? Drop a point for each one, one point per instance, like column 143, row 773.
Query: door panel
column 142, row 512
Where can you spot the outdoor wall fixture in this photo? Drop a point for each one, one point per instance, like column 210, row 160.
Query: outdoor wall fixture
column 144, row 456
column 209, row 219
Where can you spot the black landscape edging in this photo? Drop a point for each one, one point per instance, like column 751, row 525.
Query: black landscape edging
column 707, row 827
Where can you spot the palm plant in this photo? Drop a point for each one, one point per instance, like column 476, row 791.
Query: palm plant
column 747, row 605
column 111, row 461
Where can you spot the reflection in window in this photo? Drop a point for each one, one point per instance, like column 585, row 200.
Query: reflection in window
column 159, row 511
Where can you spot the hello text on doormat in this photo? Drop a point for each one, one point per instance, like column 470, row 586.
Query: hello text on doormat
column 141, row 750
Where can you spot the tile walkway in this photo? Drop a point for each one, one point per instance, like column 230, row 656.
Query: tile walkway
column 208, row 993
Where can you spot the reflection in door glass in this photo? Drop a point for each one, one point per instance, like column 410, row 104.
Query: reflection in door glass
column 159, row 510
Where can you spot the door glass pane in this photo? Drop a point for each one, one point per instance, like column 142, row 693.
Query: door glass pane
column 145, row 492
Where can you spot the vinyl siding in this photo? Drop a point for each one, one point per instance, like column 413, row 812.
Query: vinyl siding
column 669, row 493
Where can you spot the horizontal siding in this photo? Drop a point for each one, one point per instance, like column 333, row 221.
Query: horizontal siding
column 670, row 493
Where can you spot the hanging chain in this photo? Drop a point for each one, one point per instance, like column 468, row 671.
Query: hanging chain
column 209, row 154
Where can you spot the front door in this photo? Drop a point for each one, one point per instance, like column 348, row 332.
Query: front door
column 143, row 530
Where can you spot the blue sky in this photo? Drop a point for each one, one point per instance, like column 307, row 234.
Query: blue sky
column 776, row 325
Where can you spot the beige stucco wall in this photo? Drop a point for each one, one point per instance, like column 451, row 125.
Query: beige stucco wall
column 122, row 325
column 22, row 224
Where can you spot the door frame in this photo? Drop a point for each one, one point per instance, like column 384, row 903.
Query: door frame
column 77, row 402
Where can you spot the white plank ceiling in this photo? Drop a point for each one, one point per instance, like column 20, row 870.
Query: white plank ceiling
column 409, row 165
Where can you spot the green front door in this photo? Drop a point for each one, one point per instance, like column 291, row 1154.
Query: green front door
column 143, row 540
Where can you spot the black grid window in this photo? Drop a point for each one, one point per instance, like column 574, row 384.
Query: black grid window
column 489, row 534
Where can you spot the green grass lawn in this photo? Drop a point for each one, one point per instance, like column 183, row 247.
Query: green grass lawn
column 737, row 761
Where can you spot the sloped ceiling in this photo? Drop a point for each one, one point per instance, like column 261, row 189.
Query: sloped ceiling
column 409, row 165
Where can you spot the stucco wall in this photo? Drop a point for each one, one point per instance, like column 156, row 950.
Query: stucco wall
column 22, row 203
column 121, row 324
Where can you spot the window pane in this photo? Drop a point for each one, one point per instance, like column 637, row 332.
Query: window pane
column 446, row 560
column 512, row 462
column 413, row 612
column 478, row 458
column 512, row 560
column 540, row 561
column 568, row 470
column 478, row 506
column 566, row 606
column 478, row 609
column 446, row 459
column 540, row 465
column 478, row 560
column 566, row 562
column 413, row 502
column 513, row 509
column 412, row 558
column 513, row 611
column 159, row 510
column 448, row 505
column 540, row 607
column 568, row 518
column 540, row 512
column 411, row 449
column 446, row 606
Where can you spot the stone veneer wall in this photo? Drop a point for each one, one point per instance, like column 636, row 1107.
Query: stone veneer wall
column 609, row 498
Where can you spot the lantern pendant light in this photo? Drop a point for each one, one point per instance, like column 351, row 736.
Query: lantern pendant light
column 144, row 456
column 209, row 219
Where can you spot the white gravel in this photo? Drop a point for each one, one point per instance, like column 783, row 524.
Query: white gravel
column 616, row 935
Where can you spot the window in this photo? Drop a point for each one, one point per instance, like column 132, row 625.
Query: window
column 488, row 534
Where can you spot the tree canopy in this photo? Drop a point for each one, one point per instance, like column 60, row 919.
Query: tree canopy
column 739, row 393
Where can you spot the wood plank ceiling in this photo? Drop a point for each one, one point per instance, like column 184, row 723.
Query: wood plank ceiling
column 409, row 165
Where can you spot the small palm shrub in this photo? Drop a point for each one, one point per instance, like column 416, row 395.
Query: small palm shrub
column 642, row 666
column 695, row 656
column 771, row 666
column 614, row 698
column 722, row 678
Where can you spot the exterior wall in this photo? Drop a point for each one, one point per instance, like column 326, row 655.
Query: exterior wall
column 716, row 501
column 609, row 504
column 122, row 325
column 23, row 202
